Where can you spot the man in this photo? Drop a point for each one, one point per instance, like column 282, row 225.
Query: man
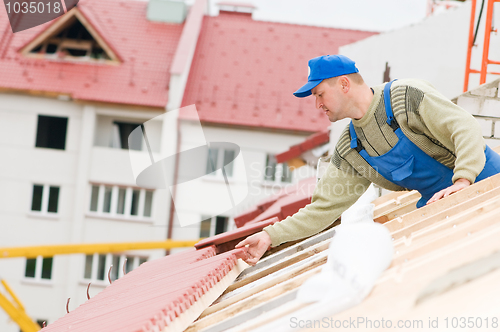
column 403, row 135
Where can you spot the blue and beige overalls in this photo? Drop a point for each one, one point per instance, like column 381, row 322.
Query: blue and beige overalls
column 408, row 166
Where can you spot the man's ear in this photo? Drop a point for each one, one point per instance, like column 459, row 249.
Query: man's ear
column 345, row 84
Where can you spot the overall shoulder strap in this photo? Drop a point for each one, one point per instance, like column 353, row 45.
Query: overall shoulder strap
column 355, row 143
column 388, row 107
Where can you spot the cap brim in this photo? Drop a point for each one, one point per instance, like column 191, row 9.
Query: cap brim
column 305, row 90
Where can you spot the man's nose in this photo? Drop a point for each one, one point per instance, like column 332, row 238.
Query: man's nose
column 319, row 104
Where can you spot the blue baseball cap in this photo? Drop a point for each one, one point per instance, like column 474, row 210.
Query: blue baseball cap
column 325, row 66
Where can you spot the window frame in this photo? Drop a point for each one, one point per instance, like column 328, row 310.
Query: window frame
column 115, row 203
column 45, row 201
column 39, row 270
column 278, row 172
column 213, row 225
column 221, row 153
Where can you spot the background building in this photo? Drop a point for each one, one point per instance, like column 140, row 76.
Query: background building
column 71, row 92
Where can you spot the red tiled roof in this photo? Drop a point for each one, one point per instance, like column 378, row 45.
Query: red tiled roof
column 152, row 296
column 257, row 210
column 244, row 71
column 310, row 143
column 146, row 50
column 226, row 241
column 284, row 204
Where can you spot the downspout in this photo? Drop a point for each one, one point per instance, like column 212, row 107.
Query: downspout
column 179, row 72
column 174, row 191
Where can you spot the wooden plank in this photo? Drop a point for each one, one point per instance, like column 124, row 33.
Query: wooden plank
column 277, row 256
column 459, row 276
column 449, row 202
column 267, row 282
column 396, row 293
column 253, row 301
column 397, row 201
column 58, row 24
column 271, row 316
column 287, row 261
column 474, row 203
column 252, row 314
column 447, row 235
column 387, row 197
column 400, row 210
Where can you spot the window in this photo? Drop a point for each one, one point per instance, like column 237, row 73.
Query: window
column 121, row 201
column 274, row 172
column 39, row 268
column 122, row 138
column 213, row 226
column 74, row 42
column 51, row 132
column 218, row 158
column 45, row 199
column 97, row 266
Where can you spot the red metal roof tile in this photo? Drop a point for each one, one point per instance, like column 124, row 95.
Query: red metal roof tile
column 242, row 219
column 294, row 198
column 146, row 48
column 244, row 71
column 232, row 236
column 310, row 143
column 152, row 296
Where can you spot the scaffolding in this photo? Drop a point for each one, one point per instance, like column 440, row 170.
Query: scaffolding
column 488, row 29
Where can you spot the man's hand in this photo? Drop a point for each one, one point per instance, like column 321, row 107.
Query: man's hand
column 257, row 246
column 458, row 185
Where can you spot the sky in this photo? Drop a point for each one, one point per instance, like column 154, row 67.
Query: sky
column 372, row 15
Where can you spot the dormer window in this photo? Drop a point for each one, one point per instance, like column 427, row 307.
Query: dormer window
column 70, row 38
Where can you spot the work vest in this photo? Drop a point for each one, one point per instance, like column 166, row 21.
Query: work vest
column 407, row 166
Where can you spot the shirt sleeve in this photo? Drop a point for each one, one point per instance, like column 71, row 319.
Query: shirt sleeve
column 458, row 131
column 336, row 192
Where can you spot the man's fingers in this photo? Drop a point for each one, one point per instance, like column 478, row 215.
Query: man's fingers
column 241, row 244
column 447, row 192
column 437, row 196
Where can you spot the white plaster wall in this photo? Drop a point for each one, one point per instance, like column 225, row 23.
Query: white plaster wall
column 434, row 49
column 248, row 175
column 24, row 165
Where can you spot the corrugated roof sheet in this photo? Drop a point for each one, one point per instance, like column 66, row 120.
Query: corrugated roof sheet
column 152, row 296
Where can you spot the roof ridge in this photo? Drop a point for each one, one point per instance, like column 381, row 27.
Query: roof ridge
column 302, row 24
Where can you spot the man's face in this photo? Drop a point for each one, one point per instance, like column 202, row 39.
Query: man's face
column 329, row 98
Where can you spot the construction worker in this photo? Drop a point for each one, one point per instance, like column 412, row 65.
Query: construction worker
column 403, row 135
